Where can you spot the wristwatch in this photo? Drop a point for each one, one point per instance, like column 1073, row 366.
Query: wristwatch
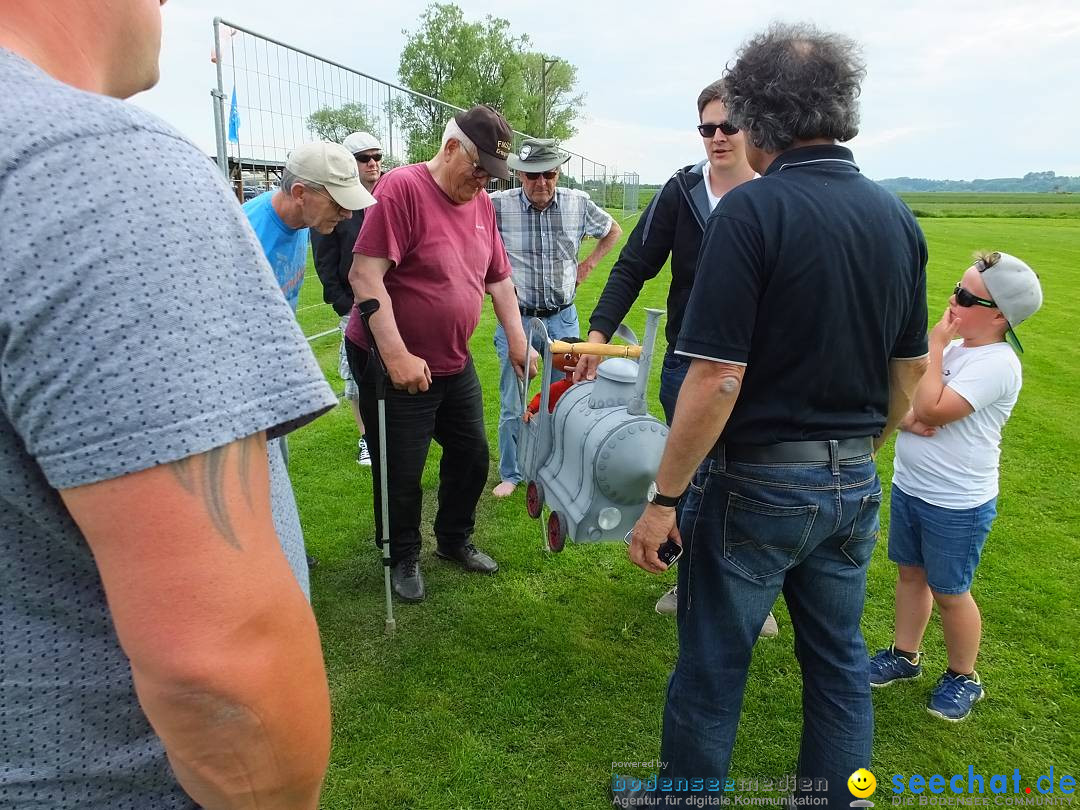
column 653, row 495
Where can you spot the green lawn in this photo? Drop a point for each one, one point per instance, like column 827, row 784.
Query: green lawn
column 520, row 690
column 995, row 204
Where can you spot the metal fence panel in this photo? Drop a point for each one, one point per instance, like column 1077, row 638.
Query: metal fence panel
column 270, row 97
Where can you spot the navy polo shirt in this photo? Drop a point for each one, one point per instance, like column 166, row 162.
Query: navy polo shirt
column 813, row 277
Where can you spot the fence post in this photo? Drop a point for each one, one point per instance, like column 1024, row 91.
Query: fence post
column 218, row 101
column 390, row 117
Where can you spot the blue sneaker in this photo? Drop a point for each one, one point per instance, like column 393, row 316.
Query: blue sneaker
column 887, row 667
column 955, row 696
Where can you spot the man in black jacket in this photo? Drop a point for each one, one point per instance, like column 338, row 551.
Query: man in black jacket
column 333, row 255
column 672, row 225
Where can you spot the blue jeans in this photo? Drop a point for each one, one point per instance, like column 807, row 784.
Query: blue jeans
column 749, row 532
column 672, row 375
column 560, row 326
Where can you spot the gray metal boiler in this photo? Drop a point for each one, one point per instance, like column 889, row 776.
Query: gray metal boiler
column 592, row 459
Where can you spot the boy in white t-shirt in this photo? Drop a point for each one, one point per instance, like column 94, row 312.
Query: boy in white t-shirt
column 945, row 482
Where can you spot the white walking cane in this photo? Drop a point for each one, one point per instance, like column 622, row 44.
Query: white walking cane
column 367, row 309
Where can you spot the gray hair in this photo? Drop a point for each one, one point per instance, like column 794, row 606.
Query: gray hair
column 795, row 82
column 288, row 180
column 453, row 132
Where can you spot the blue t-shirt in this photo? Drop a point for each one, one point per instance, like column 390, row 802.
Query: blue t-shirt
column 285, row 248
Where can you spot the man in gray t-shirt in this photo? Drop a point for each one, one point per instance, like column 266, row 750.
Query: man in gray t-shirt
column 156, row 651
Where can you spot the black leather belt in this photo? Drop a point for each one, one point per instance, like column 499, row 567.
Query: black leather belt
column 794, row 452
column 535, row 312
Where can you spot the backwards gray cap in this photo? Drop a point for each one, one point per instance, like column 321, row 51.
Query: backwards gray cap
column 1015, row 289
column 537, row 155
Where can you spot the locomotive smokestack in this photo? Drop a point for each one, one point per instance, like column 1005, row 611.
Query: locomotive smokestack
column 637, row 405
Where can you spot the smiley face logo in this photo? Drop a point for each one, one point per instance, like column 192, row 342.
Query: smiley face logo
column 862, row 783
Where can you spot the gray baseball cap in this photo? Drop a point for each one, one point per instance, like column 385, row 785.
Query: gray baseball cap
column 537, row 155
column 361, row 142
column 1014, row 288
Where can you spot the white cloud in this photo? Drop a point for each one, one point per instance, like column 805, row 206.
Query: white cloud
column 954, row 89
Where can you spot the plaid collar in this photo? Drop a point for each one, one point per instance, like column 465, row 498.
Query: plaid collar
column 526, row 203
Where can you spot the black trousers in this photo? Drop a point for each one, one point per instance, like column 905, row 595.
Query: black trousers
column 451, row 412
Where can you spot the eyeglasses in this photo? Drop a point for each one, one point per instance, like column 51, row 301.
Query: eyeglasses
column 478, row 171
column 341, row 209
column 548, row 175
column 708, row 130
column 966, row 299
column 368, row 158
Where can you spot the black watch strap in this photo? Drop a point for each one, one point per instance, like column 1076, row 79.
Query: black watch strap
column 665, row 500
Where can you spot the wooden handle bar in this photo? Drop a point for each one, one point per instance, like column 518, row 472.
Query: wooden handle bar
column 601, row 349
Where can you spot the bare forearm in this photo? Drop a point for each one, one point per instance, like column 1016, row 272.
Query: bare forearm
column 607, row 242
column 250, row 729
column 366, row 280
column 929, row 389
column 604, row 246
column 904, row 376
column 504, row 302
column 706, row 399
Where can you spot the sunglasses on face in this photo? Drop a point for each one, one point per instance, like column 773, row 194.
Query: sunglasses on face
column 368, row 158
column 708, row 130
column 548, row 175
column 966, row 299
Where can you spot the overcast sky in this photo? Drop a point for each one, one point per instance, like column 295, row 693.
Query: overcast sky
column 954, row 89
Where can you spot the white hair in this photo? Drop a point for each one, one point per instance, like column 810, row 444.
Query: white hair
column 453, row 132
column 288, row 180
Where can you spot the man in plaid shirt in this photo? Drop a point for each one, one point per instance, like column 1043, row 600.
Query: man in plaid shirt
column 542, row 226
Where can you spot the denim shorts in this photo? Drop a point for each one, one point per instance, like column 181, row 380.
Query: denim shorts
column 946, row 543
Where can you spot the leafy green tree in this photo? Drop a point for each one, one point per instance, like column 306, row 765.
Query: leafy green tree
column 562, row 103
column 334, row 123
column 465, row 63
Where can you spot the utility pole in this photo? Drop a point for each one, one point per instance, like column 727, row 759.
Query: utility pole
column 547, row 66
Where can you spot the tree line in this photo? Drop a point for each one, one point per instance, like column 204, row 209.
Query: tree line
column 1046, row 182
column 465, row 62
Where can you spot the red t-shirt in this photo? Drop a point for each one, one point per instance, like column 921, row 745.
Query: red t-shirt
column 443, row 255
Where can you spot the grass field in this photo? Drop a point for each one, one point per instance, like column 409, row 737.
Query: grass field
column 967, row 204
column 521, row 690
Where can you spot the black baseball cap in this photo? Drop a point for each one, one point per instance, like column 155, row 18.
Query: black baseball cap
column 492, row 137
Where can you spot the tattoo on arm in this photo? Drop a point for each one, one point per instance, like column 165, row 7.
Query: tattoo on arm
column 203, row 475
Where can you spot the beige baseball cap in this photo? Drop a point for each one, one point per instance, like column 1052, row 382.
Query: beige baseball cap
column 332, row 166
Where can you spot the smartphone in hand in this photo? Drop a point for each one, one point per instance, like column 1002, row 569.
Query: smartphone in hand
column 669, row 552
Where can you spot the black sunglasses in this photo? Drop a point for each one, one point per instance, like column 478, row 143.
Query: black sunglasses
column 966, row 299
column 708, row 130
column 368, row 158
column 551, row 174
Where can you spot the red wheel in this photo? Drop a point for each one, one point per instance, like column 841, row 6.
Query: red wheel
column 534, row 499
column 556, row 532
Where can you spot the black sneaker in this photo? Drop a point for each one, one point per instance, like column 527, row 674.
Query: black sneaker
column 468, row 557
column 407, row 581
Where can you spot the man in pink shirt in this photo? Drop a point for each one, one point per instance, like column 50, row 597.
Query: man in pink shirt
column 429, row 255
